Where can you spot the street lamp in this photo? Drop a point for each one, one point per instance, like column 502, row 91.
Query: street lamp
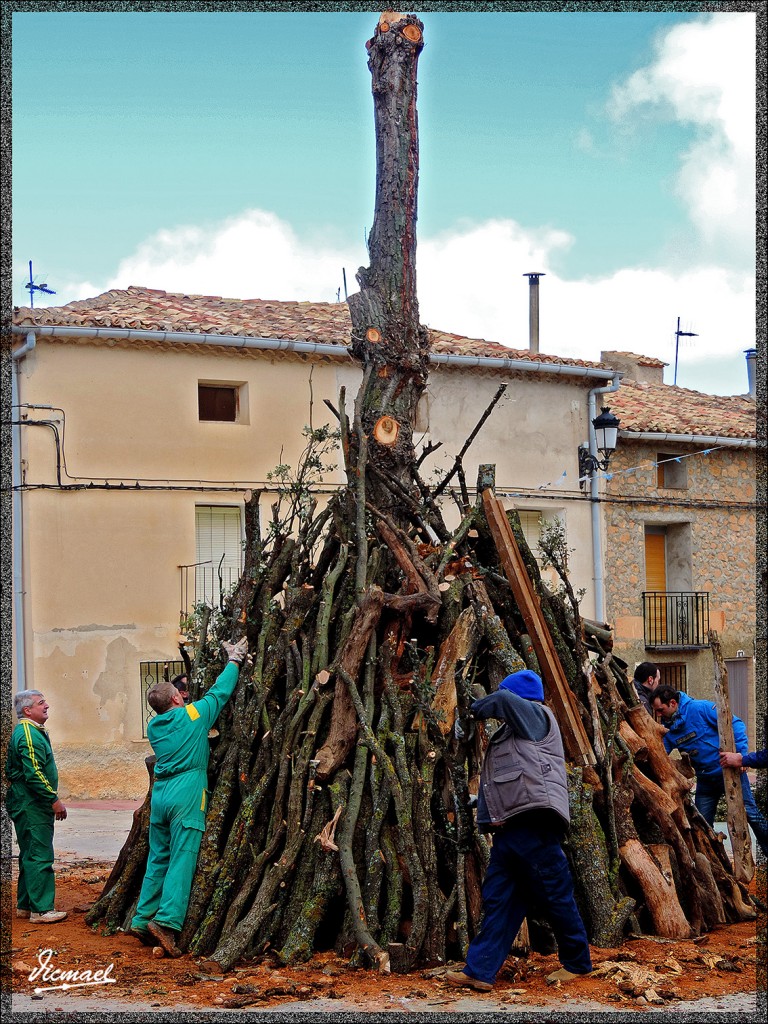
column 606, row 429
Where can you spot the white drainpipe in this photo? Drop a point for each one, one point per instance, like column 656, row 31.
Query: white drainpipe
column 710, row 440
column 597, row 541
column 307, row 348
column 18, row 517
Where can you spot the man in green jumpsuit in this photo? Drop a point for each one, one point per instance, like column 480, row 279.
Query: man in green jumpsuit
column 33, row 805
column 179, row 738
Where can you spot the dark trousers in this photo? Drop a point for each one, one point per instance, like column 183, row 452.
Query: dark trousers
column 36, row 889
column 527, row 868
column 709, row 789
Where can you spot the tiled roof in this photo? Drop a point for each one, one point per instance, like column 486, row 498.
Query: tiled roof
column 665, row 409
column 658, row 408
column 148, row 309
column 641, row 360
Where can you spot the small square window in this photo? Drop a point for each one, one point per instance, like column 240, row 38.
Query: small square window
column 671, row 470
column 218, row 402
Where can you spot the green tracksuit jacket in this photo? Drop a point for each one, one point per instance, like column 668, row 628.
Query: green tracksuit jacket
column 179, row 739
column 32, row 791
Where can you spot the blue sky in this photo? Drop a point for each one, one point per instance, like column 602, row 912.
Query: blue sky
column 233, row 154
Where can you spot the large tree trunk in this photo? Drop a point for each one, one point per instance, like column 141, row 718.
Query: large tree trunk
column 340, row 812
column 387, row 337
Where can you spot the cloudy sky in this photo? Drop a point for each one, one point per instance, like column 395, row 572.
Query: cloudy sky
column 233, row 154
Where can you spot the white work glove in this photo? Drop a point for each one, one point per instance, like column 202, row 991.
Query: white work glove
column 236, row 652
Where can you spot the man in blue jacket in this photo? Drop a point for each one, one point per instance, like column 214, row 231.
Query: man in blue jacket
column 692, row 728
column 178, row 735
column 523, row 803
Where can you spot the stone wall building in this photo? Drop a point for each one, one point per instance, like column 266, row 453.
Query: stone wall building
column 679, row 520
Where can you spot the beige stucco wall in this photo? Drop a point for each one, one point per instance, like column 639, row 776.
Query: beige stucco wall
column 101, row 577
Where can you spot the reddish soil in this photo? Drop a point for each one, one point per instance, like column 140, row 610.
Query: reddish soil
column 641, row 972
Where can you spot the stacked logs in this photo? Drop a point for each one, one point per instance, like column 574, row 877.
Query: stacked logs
column 340, row 812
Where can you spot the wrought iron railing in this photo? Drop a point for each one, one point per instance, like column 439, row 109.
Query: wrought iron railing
column 205, row 583
column 675, row 619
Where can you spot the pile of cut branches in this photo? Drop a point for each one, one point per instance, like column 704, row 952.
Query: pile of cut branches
column 340, row 810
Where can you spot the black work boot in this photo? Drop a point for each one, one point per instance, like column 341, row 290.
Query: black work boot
column 165, row 938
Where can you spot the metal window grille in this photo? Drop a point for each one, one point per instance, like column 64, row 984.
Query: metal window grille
column 676, row 619
column 674, row 674
column 152, row 672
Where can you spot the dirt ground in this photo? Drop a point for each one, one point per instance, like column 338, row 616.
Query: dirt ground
column 642, row 974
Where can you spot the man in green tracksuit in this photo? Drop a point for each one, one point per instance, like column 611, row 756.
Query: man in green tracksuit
column 33, row 805
column 179, row 738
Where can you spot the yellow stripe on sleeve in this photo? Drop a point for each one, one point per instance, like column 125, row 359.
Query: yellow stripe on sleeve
column 33, row 758
column 192, row 712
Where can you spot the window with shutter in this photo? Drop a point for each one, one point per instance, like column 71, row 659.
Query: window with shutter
column 222, row 401
column 218, row 535
column 530, row 523
column 671, row 471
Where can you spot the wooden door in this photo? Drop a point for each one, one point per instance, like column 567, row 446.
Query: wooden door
column 656, row 581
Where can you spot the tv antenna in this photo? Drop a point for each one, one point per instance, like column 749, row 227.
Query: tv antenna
column 678, row 335
column 36, row 288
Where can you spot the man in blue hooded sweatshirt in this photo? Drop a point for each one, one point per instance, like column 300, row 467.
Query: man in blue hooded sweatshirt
column 523, row 803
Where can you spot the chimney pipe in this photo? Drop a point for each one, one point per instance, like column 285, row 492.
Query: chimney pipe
column 533, row 309
column 751, row 354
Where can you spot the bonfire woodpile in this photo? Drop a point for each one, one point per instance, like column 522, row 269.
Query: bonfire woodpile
column 340, row 812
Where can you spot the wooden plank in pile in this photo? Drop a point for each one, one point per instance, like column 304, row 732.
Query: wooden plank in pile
column 560, row 697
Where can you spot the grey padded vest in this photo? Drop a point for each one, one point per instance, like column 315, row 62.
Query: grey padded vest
column 524, row 775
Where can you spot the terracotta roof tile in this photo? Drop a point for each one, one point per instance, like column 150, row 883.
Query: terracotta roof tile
column 666, row 409
column 323, row 322
column 641, row 407
column 641, row 360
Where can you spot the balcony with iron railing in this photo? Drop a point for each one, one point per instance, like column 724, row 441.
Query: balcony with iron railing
column 676, row 619
column 205, row 583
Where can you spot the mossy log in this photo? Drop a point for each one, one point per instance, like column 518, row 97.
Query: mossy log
column 606, row 911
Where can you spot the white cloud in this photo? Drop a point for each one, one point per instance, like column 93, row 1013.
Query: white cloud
column 470, row 280
column 471, row 283
column 704, row 76
column 252, row 255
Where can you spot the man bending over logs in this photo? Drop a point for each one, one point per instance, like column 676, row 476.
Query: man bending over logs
column 692, row 728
